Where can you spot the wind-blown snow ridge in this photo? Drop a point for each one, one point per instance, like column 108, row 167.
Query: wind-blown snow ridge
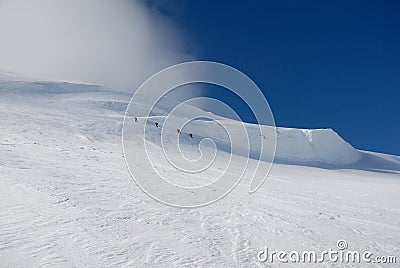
column 294, row 146
column 320, row 145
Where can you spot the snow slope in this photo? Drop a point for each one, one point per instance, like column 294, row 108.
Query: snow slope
column 67, row 199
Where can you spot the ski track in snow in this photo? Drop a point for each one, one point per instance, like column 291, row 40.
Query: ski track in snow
column 67, row 199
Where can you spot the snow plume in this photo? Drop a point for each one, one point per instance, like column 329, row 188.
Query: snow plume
column 112, row 43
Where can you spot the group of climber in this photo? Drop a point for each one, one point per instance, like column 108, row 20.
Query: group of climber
column 178, row 130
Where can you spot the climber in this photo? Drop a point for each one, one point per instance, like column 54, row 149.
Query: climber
column 156, row 124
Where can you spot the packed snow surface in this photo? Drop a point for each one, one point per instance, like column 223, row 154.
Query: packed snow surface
column 67, row 198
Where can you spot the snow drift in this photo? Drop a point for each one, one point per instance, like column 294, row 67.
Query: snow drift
column 319, row 145
column 294, row 146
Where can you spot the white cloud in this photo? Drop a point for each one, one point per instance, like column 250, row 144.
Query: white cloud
column 115, row 43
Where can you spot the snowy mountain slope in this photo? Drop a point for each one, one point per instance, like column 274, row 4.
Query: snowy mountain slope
column 67, row 199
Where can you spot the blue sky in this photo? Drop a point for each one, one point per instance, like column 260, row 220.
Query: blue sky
column 320, row 64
